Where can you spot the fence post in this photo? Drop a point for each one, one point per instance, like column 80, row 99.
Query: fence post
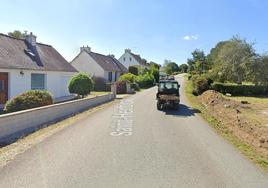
column 113, row 89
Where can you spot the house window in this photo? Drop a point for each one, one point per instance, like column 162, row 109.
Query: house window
column 2, row 85
column 37, row 81
column 115, row 76
column 124, row 59
column 110, row 76
column 130, row 59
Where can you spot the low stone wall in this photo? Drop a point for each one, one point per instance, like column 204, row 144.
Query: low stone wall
column 17, row 124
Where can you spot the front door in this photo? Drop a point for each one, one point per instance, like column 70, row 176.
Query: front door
column 3, row 87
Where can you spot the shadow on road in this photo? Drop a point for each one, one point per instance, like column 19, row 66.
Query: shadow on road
column 183, row 111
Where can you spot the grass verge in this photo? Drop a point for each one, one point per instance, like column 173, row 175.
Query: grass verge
column 246, row 149
column 96, row 93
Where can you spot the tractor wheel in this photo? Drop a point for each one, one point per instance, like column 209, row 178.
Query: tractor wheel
column 159, row 106
column 176, row 106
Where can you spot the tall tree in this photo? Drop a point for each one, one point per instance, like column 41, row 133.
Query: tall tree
column 171, row 67
column 191, row 64
column 258, row 70
column 233, row 59
column 214, row 52
column 183, row 68
column 198, row 55
column 198, row 62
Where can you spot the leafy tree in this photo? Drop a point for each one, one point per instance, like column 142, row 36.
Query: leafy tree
column 258, row 70
column 16, row 34
column 183, row 68
column 233, row 59
column 214, row 52
column 170, row 67
column 191, row 64
column 198, row 62
column 198, row 55
column 81, row 84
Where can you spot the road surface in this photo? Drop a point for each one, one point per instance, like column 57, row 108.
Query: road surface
column 131, row 144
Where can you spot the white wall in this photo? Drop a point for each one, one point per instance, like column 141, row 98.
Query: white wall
column 127, row 61
column 55, row 82
column 17, row 124
column 85, row 63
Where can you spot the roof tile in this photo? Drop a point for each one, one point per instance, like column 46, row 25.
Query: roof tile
column 13, row 55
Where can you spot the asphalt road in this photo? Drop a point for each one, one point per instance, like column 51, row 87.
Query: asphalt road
column 131, row 144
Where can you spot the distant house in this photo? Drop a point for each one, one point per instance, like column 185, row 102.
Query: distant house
column 26, row 64
column 98, row 65
column 131, row 59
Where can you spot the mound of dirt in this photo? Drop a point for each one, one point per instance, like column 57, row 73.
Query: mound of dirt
column 232, row 114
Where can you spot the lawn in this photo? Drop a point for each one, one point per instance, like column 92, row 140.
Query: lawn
column 96, row 93
column 258, row 105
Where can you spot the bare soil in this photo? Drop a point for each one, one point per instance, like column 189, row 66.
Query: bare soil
column 247, row 119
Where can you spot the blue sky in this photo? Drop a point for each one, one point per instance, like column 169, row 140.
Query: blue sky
column 155, row 29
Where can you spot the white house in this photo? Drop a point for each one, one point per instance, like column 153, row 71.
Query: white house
column 98, row 65
column 131, row 59
column 26, row 64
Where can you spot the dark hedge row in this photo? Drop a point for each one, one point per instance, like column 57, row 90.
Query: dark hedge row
column 240, row 90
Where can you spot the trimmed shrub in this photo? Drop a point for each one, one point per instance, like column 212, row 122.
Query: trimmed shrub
column 135, row 86
column 145, row 80
column 240, row 90
column 200, row 84
column 81, row 84
column 28, row 100
column 100, row 84
column 128, row 77
column 133, row 70
column 121, row 87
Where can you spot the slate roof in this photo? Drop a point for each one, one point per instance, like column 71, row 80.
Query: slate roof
column 139, row 59
column 16, row 54
column 107, row 62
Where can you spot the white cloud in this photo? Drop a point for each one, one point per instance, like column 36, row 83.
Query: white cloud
column 191, row 37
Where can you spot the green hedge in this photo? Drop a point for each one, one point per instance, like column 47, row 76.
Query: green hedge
column 28, row 100
column 201, row 83
column 240, row 90
column 146, row 80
